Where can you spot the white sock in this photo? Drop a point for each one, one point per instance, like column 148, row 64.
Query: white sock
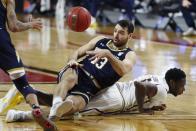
column 28, row 115
column 57, row 99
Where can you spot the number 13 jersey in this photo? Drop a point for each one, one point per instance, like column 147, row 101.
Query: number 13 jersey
column 102, row 70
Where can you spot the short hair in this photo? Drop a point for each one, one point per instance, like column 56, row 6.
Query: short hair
column 174, row 74
column 126, row 24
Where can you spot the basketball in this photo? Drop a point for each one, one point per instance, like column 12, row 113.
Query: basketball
column 78, row 19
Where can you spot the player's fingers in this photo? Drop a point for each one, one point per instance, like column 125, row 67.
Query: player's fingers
column 96, row 59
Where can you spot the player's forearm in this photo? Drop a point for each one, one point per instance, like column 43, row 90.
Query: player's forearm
column 140, row 93
column 20, row 26
column 117, row 65
column 13, row 23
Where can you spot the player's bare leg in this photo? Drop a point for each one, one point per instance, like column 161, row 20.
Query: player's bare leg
column 69, row 79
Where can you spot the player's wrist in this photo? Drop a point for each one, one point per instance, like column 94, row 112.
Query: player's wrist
column 29, row 25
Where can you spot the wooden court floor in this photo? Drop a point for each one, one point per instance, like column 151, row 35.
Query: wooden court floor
column 47, row 52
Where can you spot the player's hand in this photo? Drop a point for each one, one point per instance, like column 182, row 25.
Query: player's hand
column 36, row 23
column 74, row 64
column 98, row 54
column 147, row 112
column 159, row 108
column 186, row 3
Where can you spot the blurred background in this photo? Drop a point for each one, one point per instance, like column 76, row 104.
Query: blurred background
column 170, row 15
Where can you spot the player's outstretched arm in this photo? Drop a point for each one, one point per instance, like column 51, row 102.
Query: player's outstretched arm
column 14, row 24
column 80, row 52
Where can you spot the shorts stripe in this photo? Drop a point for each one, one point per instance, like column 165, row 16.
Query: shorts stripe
column 80, row 93
column 60, row 74
column 16, row 70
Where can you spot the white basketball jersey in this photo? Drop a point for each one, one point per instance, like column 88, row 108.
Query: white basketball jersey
column 121, row 96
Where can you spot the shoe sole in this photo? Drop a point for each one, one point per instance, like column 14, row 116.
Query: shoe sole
column 62, row 109
column 46, row 124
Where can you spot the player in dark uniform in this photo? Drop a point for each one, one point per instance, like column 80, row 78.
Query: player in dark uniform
column 104, row 61
column 11, row 63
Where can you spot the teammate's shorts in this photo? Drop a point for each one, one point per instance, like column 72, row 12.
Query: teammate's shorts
column 9, row 59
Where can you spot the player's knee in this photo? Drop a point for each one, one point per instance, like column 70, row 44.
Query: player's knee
column 78, row 103
column 16, row 75
column 71, row 79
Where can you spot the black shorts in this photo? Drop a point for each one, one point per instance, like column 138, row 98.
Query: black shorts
column 85, row 87
column 8, row 58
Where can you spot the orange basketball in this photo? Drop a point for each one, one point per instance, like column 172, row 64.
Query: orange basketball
column 78, row 19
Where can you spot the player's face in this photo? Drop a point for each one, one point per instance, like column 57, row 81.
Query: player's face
column 120, row 36
column 177, row 87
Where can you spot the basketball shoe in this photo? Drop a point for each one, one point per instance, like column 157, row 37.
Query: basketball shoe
column 10, row 100
column 190, row 31
column 59, row 109
column 42, row 120
column 16, row 115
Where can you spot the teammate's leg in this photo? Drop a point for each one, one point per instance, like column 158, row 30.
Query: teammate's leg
column 12, row 65
column 72, row 104
column 13, row 97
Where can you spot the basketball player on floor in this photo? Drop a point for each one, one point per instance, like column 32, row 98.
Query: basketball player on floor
column 147, row 94
column 104, row 62
column 11, row 63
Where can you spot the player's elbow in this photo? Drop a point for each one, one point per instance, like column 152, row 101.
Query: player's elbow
column 124, row 70
column 13, row 29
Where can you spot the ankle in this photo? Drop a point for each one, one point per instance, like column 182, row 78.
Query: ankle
column 34, row 106
column 57, row 99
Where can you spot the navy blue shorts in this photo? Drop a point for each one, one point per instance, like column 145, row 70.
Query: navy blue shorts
column 8, row 58
column 85, row 87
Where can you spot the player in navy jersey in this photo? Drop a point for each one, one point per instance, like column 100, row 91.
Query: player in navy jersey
column 11, row 63
column 104, row 61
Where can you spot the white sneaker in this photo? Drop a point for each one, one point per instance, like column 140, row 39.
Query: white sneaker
column 59, row 109
column 190, row 31
column 14, row 115
column 10, row 100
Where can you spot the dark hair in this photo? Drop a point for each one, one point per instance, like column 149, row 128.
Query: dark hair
column 126, row 24
column 174, row 74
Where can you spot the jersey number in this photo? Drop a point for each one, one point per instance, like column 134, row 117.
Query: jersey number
column 100, row 64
